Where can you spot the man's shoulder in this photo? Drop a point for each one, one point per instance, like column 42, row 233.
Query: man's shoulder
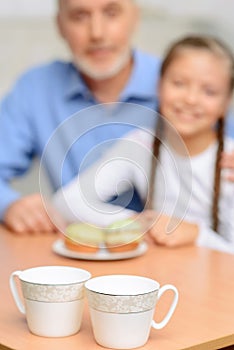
column 41, row 79
column 47, row 69
column 148, row 60
column 44, row 77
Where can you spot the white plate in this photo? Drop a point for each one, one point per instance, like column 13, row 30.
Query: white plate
column 59, row 248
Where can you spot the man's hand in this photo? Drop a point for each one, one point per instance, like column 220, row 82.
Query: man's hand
column 170, row 232
column 29, row 214
column 227, row 162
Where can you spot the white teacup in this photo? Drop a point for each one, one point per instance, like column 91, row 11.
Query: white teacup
column 122, row 309
column 53, row 298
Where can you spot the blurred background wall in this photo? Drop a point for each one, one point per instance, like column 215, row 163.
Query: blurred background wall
column 28, row 36
column 214, row 8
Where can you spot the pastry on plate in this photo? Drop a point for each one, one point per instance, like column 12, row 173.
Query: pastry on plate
column 81, row 237
column 123, row 235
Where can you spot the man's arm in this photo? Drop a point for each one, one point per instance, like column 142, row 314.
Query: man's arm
column 29, row 214
column 17, row 145
column 15, row 152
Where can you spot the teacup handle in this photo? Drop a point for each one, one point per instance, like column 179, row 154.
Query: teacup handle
column 14, row 291
column 172, row 308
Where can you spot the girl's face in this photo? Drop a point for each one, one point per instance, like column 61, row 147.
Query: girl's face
column 194, row 91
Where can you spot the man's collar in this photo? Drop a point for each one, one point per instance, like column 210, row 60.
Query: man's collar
column 75, row 84
column 141, row 84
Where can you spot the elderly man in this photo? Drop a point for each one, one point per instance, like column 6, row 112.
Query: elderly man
column 104, row 68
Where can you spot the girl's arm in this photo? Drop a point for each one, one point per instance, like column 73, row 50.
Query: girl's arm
column 173, row 232
column 170, row 231
column 85, row 197
column 209, row 238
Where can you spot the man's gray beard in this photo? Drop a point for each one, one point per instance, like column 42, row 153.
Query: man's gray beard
column 92, row 73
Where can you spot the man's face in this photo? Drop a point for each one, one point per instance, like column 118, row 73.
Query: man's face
column 98, row 33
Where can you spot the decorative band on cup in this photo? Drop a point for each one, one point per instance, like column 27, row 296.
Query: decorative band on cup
column 55, row 294
column 122, row 304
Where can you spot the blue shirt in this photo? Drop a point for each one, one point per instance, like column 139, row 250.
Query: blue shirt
column 51, row 97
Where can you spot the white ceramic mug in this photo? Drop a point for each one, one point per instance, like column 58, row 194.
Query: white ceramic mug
column 122, row 309
column 53, row 298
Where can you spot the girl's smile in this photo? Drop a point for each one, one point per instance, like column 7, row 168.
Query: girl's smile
column 194, row 93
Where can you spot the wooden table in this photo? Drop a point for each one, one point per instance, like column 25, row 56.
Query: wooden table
column 204, row 318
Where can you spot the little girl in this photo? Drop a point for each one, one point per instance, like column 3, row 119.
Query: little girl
column 189, row 200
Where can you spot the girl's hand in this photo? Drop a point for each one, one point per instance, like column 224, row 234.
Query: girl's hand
column 170, row 232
